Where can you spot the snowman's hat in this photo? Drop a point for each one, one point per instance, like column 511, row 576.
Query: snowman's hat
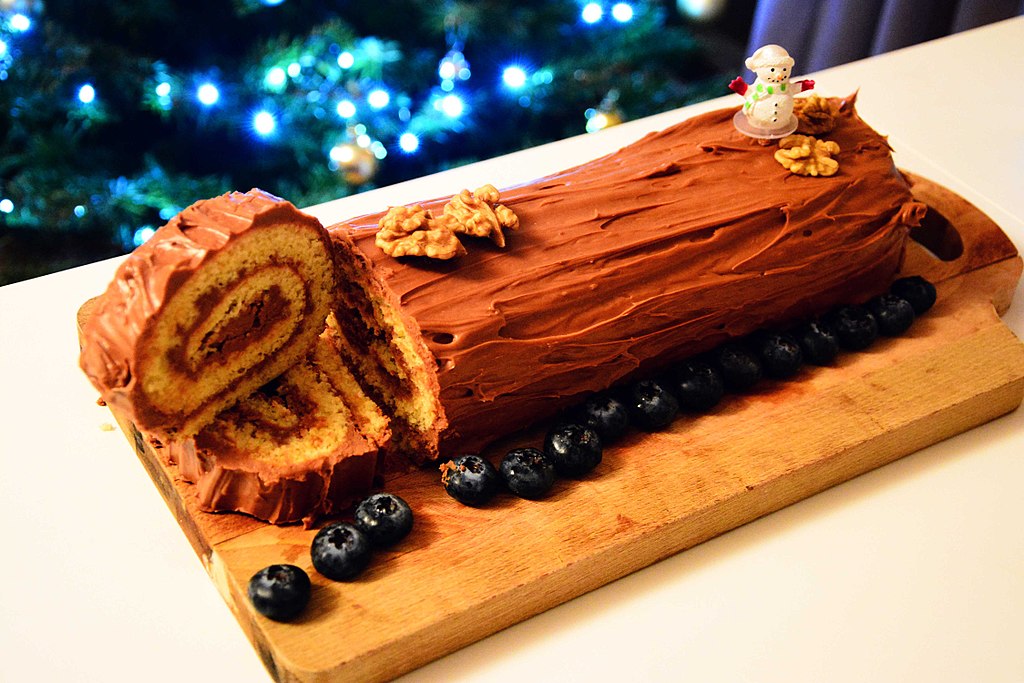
column 769, row 56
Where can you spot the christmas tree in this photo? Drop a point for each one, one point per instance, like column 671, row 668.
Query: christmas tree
column 117, row 115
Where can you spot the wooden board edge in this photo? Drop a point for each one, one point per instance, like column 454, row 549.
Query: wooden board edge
column 955, row 238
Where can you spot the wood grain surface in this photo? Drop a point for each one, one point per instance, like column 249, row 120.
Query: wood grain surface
column 464, row 573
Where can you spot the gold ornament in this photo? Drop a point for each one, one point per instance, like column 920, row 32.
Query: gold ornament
column 606, row 115
column 613, row 117
column 602, row 119
column 356, row 164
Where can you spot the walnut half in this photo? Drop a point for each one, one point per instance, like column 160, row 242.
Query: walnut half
column 816, row 114
column 805, row 155
column 479, row 214
column 412, row 231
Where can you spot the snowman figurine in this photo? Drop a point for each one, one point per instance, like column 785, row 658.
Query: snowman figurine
column 767, row 111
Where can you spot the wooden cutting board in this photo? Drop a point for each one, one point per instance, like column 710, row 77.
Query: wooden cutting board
column 465, row 573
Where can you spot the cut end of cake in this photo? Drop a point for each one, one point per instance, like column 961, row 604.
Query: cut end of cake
column 301, row 447
column 225, row 297
column 387, row 353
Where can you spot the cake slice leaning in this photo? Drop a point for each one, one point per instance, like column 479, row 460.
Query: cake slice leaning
column 385, row 349
column 305, row 445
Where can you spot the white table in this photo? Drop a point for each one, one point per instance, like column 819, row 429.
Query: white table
column 911, row 572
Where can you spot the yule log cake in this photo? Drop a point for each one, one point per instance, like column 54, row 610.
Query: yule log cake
column 663, row 249
column 687, row 238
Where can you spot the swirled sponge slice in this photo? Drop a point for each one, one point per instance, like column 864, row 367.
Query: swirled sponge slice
column 305, row 445
column 228, row 295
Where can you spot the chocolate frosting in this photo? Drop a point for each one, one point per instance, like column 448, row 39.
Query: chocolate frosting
column 691, row 236
column 228, row 480
column 114, row 336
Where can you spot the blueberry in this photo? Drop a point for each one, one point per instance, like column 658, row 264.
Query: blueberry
column 280, row 591
column 651, row 406
column 528, row 472
column 340, row 551
column 856, row 329
column 918, row 292
column 780, row 355
column 739, row 367
column 819, row 343
column 574, row 449
column 893, row 314
column 698, row 386
column 384, row 518
column 470, row 479
column 606, row 416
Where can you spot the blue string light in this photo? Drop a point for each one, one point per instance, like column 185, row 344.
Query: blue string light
column 378, row 149
column 207, row 94
column 6, row 205
column 346, row 109
column 346, row 60
column 592, row 13
column 19, row 23
column 264, row 123
column 409, row 142
column 447, row 70
column 162, row 90
column 142, row 235
column 378, row 99
column 275, row 78
column 452, row 106
column 514, row 77
column 87, row 94
column 622, row 12
column 453, row 67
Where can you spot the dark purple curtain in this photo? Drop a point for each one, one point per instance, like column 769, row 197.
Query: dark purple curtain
column 829, row 32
